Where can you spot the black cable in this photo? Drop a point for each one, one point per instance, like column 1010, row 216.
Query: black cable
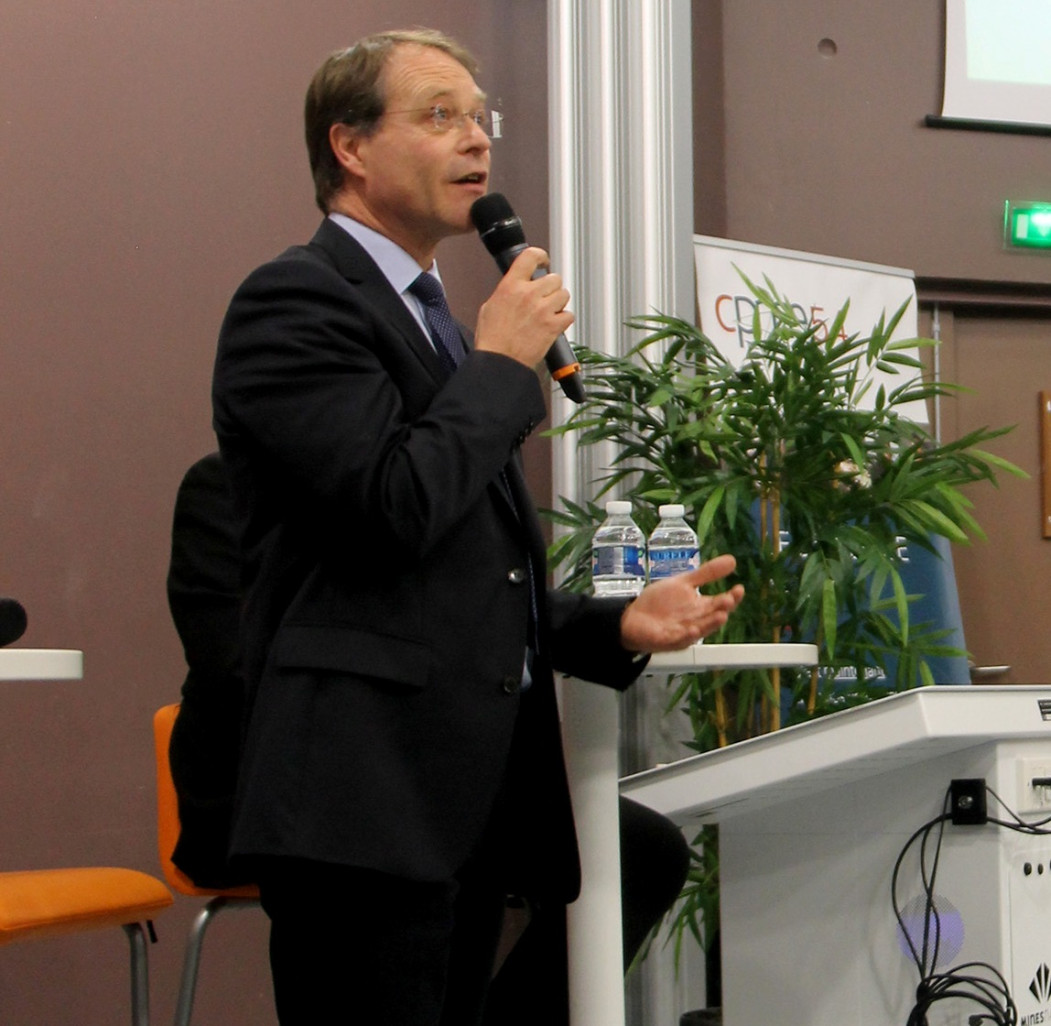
column 920, row 960
column 989, row 992
column 1019, row 824
column 931, row 909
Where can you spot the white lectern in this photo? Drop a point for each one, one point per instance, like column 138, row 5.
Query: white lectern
column 812, row 819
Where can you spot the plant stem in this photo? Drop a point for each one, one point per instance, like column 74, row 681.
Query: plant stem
column 720, row 713
column 811, row 702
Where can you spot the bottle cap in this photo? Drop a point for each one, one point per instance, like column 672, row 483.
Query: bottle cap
column 675, row 509
column 617, row 507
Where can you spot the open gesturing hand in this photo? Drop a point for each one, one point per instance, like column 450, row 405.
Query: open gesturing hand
column 671, row 614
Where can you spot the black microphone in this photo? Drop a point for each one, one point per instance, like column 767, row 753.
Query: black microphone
column 12, row 620
column 501, row 231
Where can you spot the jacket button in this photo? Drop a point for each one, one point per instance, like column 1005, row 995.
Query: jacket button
column 516, row 575
column 511, row 685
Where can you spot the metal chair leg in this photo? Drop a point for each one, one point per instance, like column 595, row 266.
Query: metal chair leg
column 140, row 975
column 192, row 959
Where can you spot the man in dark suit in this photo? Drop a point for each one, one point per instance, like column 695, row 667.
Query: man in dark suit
column 402, row 770
column 204, row 593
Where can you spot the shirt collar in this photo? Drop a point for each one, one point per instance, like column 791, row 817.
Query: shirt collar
column 400, row 269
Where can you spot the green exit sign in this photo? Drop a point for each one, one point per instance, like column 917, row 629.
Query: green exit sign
column 1027, row 224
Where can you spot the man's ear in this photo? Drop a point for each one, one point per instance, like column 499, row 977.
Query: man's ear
column 345, row 143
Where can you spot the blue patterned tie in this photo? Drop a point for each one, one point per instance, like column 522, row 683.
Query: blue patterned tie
column 448, row 342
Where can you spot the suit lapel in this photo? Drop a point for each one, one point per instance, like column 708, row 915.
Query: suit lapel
column 361, row 271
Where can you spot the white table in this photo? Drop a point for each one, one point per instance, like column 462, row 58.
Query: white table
column 590, row 725
column 41, row 664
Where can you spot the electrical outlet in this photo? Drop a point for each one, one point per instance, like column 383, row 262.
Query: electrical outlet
column 1034, row 798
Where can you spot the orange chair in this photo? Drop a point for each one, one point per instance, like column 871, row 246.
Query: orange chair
column 48, row 902
column 167, row 835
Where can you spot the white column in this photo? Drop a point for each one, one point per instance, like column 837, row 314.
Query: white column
column 621, row 236
column 621, row 176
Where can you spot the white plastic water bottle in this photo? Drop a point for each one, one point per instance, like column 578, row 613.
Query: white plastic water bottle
column 673, row 544
column 618, row 553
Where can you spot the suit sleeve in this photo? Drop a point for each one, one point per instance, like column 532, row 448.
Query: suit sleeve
column 585, row 640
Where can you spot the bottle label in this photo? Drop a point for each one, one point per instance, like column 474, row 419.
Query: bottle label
column 617, row 560
column 667, row 562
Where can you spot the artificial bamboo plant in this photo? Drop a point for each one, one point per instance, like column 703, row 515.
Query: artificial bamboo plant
column 801, row 465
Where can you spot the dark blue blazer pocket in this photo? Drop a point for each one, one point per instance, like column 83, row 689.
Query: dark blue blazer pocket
column 352, row 651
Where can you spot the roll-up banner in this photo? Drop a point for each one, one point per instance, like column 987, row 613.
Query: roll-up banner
column 818, row 287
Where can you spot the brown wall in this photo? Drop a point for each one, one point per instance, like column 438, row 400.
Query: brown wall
column 830, row 154
column 1001, row 355
column 150, row 156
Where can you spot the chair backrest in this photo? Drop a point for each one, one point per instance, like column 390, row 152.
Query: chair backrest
column 168, row 813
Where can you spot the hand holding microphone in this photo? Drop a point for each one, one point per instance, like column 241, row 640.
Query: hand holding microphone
column 501, row 231
column 523, row 314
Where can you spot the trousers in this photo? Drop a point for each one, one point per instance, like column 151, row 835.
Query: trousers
column 351, row 945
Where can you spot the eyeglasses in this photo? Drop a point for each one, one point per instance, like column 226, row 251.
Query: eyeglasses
column 444, row 119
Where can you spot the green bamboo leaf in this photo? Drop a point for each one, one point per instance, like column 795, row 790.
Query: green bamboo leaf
column 1000, row 463
column 934, row 520
column 857, row 454
column 896, row 319
column 709, row 511
column 898, row 359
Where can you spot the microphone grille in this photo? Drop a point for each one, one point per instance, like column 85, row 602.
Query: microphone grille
column 13, row 620
column 490, row 210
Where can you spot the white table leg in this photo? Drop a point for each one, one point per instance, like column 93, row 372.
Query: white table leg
column 590, row 722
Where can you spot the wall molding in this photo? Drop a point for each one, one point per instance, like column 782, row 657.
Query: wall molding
column 974, row 294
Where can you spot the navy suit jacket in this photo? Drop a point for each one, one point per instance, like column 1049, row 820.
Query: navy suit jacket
column 387, row 600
